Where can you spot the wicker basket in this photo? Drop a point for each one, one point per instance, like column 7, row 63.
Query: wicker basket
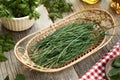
column 104, row 18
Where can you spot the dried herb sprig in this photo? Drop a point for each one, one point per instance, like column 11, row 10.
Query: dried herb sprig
column 64, row 44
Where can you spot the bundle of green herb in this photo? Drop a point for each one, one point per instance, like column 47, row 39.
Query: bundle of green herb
column 56, row 7
column 19, row 8
column 64, row 44
column 6, row 44
column 114, row 73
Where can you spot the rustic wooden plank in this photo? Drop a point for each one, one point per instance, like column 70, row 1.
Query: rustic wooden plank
column 104, row 4
column 1, row 75
column 9, row 66
column 3, row 71
column 44, row 21
column 68, row 74
column 76, row 5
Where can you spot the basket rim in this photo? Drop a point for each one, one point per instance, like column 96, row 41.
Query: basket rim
column 78, row 60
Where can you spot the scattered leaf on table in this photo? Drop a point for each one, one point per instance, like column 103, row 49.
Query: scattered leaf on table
column 114, row 71
column 20, row 77
column 2, row 57
column 7, row 78
column 115, row 77
column 116, row 62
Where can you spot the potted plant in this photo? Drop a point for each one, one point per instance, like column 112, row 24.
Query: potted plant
column 18, row 15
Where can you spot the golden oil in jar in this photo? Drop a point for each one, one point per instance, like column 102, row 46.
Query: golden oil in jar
column 115, row 4
column 90, row 1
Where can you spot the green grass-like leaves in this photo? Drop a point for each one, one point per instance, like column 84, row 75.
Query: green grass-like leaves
column 64, row 44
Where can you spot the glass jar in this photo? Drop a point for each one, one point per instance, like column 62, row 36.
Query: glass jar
column 91, row 1
column 115, row 4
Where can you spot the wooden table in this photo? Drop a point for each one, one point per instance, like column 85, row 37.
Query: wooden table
column 13, row 67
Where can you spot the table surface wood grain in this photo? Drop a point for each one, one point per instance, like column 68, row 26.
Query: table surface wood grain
column 12, row 67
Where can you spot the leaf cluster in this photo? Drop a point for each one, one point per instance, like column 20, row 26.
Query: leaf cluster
column 114, row 73
column 56, row 7
column 19, row 8
column 6, row 44
column 18, row 77
column 64, row 44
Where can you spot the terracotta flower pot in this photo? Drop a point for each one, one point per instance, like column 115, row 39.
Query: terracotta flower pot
column 17, row 24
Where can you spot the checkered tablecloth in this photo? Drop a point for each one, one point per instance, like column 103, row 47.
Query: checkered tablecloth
column 97, row 72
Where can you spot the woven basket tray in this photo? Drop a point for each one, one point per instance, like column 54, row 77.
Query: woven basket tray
column 105, row 20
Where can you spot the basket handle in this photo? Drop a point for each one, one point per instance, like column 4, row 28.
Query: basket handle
column 19, row 50
column 22, row 55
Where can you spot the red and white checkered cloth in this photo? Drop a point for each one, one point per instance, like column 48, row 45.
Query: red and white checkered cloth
column 97, row 72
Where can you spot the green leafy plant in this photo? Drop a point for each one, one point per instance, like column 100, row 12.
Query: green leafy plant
column 114, row 73
column 56, row 7
column 19, row 8
column 2, row 57
column 6, row 44
column 18, row 77
column 7, row 78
